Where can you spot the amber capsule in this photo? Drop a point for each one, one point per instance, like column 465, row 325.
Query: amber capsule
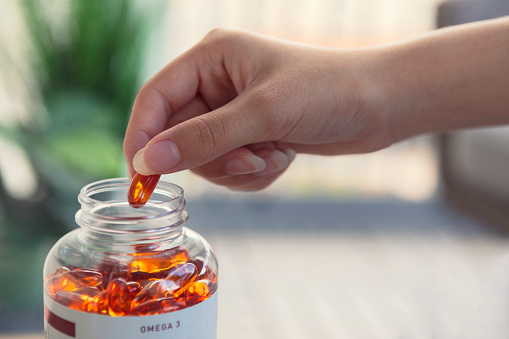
column 89, row 291
column 111, row 269
column 101, row 303
column 81, row 300
column 178, row 255
column 208, row 274
column 134, row 288
column 158, row 306
column 164, row 261
column 56, row 283
column 153, row 290
column 143, row 278
column 145, row 282
column 204, row 271
column 69, row 299
column 73, row 280
column 150, row 265
column 199, row 291
column 61, row 270
column 88, row 296
column 141, row 189
column 118, row 297
column 179, row 278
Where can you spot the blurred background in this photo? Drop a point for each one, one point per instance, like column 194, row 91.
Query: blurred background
column 408, row 242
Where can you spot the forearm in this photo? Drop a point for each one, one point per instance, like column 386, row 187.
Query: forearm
column 449, row 79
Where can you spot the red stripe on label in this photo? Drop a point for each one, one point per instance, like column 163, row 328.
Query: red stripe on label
column 64, row 326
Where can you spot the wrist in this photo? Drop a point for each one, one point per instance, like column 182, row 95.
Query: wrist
column 375, row 97
column 400, row 85
column 447, row 79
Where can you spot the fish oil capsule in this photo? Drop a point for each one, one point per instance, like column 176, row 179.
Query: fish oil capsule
column 73, row 300
column 61, row 270
column 89, row 291
column 148, row 263
column 158, row 306
column 118, row 297
column 180, row 277
column 129, row 269
column 134, row 288
column 100, row 303
column 199, row 291
column 153, row 290
column 73, row 280
column 141, row 189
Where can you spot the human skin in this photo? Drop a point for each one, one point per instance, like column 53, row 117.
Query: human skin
column 238, row 106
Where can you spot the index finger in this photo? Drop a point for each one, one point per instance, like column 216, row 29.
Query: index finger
column 165, row 93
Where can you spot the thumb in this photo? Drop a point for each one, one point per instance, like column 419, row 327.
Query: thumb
column 200, row 140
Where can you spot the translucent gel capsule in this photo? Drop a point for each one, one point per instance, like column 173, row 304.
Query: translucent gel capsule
column 111, row 269
column 145, row 282
column 153, row 290
column 89, row 291
column 158, row 306
column 73, row 280
column 87, row 295
column 150, row 265
column 61, row 270
column 179, row 255
column 101, row 303
column 147, row 262
column 179, row 285
column 207, row 274
column 179, row 278
column 199, row 291
column 141, row 189
column 134, row 288
column 81, row 300
column 118, row 297
column 57, row 283
column 69, row 299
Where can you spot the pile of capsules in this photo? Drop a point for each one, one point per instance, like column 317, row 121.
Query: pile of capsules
column 145, row 286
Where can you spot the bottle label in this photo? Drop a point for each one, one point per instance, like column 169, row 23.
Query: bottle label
column 195, row 322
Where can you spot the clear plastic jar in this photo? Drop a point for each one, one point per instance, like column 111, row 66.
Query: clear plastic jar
column 130, row 272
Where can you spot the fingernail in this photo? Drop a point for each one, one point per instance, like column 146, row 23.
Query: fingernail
column 290, row 154
column 157, row 158
column 276, row 161
column 139, row 163
column 245, row 164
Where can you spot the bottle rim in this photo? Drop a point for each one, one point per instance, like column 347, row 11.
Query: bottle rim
column 104, row 185
column 169, row 201
column 105, row 212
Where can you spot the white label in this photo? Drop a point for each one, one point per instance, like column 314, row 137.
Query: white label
column 195, row 322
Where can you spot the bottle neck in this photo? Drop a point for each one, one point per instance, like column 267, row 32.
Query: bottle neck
column 109, row 223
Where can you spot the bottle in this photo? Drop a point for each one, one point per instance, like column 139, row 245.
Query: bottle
column 130, row 272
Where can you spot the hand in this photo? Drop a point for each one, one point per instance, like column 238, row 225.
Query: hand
column 237, row 107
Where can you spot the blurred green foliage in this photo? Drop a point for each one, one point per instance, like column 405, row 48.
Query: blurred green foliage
column 87, row 61
column 87, row 56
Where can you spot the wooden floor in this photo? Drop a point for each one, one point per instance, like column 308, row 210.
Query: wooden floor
column 354, row 270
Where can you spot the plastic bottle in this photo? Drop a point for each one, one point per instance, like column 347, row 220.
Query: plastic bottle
column 130, row 272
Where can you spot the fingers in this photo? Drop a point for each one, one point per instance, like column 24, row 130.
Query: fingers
column 246, row 177
column 197, row 76
column 237, row 162
column 170, row 90
column 204, row 138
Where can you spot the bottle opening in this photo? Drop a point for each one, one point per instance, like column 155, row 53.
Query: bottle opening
column 106, row 214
